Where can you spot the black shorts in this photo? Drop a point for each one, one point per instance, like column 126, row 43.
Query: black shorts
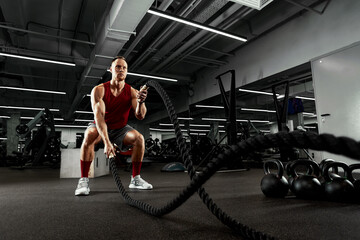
column 117, row 136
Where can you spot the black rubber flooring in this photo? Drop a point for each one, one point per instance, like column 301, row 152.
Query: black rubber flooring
column 37, row 204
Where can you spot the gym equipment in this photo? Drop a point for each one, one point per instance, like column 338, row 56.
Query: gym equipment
column 229, row 107
column 333, row 174
column 201, row 146
column 326, row 161
column 281, row 110
column 306, row 185
column 309, row 171
column 290, row 178
column 353, row 180
column 274, row 185
column 153, row 147
column 42, row 146
column 339, row 145
column 173, row 167
column 230, row 115
column 338, row 189
column 214, row 152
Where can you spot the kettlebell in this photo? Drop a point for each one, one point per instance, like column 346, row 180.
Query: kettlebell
column 333, row 174
column 355, row 181
column 324, row 162
column 306, row 185
column 338, row 189
column 274, row 185
column 290, row 178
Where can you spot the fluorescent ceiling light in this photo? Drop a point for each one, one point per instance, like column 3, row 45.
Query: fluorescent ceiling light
column 32, row 90
column 265, row 131
column 184, row 118
column 305, row 98
column 56, row 119
column 268, row 93
column 170, row 124
column 28, row 108
column 309, row 127
column 213, row 119
column 84, row 120
column 258, row 110
column 87, row 112
column 37, row 59
column 200, row 134
column 299, row 97
column 152, row 76
column 3, row 138
column 307, row 113
column 199, row 130
column 199, row 125
column 4, row 117
column 194, row 24
column 70, row 126
column 208, row 106
column 165, row 130
column 253, row 121
column 254, row 91
column 238, row 120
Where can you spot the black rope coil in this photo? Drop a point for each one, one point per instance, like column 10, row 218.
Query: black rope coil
column 324, row 142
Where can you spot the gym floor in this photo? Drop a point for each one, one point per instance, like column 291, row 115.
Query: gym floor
column 37, row 204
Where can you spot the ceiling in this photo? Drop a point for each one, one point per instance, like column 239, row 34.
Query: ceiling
column 90, row 32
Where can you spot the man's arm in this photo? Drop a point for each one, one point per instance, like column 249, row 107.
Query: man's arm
column 98, row 107
column 138, row 102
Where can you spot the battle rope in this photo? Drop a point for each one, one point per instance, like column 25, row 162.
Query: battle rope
column 324, row 142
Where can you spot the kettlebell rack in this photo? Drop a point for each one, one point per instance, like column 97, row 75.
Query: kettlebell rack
column 315, row 182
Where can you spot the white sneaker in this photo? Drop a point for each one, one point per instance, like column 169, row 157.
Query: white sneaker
column 138, row 183
column 82, row 187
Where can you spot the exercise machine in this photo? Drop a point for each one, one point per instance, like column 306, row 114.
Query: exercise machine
column 41, row 143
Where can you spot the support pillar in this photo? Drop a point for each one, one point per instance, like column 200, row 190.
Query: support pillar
column 12, row 138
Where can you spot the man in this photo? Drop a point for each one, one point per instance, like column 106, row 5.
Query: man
column 112, row 102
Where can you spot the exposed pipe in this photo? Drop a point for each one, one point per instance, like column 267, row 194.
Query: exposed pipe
column 309, row 8
column 167, row 31
column 215, row 51
column 163, row 6
column 35, row 76
column 46, row 35
column 77, row 24
column 206, row 60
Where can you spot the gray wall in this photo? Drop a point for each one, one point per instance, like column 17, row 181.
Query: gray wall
column 300, row 40
column 336, row 78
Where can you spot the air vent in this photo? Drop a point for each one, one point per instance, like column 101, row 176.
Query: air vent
column 257, row 4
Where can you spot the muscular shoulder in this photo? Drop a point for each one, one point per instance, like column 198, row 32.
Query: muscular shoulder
column 98, row 92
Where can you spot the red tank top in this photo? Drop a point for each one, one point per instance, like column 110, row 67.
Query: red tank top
column 117, row 108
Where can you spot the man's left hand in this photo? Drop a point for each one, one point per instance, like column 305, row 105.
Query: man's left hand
column 141, row 95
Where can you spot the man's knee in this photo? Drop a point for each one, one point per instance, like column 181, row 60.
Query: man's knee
column 135, row 138
column 91, row 138
column 140, row 139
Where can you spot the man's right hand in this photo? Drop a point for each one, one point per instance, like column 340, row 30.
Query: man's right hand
column 109, row 150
